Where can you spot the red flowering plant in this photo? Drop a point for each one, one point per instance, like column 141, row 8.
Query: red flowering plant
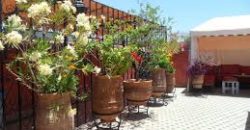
column 137, row 58
column 141, row 60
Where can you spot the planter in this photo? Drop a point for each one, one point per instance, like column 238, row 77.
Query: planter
column 170, row 82
column 8, row 6
column 197, row 81
column 107, row 97
column 137, row 92
column 53, row 112
column 159, row 82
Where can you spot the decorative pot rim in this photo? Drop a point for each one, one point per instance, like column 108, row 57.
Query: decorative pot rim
column 106, row 76
column 170, row 73
column 158, row 69
column 139, row 81
column 55, row 93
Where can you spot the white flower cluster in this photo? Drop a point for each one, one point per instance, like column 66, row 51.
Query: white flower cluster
column 59, row 38
column 14, row 38
column 83, row 39
column 76, row 34
column 14, row 20
column 72, row 50
column 97, row 69
column 21, row 1
column 35, row 56
column 70, row 27
column 92, row 17
column 1, row 46
column 45, row 69
column 103, row 17
column 39, row 10
column 83, row 21
column 67, row 6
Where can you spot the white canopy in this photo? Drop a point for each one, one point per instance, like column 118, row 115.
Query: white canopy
column 234, row 25
column 221, row 26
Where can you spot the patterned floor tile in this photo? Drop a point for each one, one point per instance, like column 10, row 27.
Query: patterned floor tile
column 194, row 112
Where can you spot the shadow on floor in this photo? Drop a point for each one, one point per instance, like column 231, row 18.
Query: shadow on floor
column 245, row 93
column 248, row 122
column 155, row 104
column 199, row 93
column 135, row 120
column 136, row 116
column 135, row 113
column 203, row 93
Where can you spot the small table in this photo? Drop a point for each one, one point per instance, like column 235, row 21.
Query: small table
column 230, row 85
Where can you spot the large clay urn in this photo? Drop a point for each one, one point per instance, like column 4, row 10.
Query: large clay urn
column 159, row 82
column 137, row 92
column 197, row 81
column 107, row 97
column 54, row 112
column 170, row 82
column 8, row 6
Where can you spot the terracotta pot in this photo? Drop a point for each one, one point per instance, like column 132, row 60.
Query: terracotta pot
column 137, row 92
column 197, row 81
column 159, row 82
column 54, row 112
column 170, row 79
column 8, row 6
column 107, row 97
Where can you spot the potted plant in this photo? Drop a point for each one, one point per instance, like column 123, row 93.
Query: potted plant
column 115, row 60
column 138, row 91
column 161, row 66
column 148, row 58
column 170, row 78
column 48, row 59
column 173, row 48
column 196, row 71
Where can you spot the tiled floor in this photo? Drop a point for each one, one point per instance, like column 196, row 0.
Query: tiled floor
column 193, row 112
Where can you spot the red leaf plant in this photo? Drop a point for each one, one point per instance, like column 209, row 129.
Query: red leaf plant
column 137, row 62
column 137, row 58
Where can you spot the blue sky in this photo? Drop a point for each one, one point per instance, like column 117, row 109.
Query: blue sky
column 188, row 13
